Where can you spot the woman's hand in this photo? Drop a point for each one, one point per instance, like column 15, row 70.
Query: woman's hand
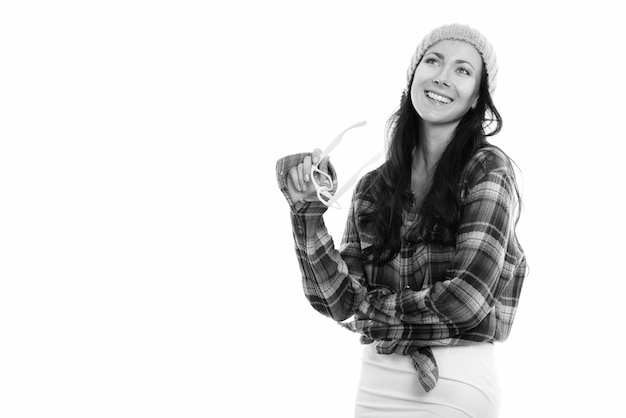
column 299, row 184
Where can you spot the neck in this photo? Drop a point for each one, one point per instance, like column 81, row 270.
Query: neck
column 433, row 141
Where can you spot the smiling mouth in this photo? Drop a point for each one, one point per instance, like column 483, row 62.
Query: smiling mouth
column 438, row 97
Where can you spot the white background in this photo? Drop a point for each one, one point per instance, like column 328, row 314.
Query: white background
column 147, row 266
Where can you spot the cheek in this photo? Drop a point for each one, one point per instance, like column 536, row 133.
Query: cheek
column 417, row 85
column 476, row 86
column 470, row 91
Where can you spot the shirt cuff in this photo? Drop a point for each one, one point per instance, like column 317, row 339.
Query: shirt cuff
column 313, row 208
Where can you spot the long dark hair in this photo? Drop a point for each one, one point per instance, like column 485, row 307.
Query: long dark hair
column 389, row 190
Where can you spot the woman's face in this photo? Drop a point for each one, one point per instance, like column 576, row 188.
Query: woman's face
column 446, row 82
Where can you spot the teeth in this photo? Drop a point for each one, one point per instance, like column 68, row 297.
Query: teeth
column 438, row 97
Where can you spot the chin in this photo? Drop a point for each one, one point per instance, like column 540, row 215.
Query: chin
column 438, row 117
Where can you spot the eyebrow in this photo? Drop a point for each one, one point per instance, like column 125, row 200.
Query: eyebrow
column 441, row 56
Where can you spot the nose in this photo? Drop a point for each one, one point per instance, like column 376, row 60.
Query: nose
column 442, row 78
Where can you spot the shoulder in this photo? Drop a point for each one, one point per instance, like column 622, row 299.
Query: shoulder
column 363, row 197
column 489, row 159
column 489, row 169
column 366, row 182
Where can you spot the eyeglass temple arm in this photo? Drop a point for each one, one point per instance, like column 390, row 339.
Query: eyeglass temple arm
column 353, row 179
column 338, row 139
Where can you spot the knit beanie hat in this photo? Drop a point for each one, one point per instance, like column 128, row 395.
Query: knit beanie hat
column 458, row 32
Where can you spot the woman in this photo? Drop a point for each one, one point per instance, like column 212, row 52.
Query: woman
column 429, row 270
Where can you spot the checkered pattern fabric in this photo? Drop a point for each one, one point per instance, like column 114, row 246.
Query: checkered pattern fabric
column 428, row 295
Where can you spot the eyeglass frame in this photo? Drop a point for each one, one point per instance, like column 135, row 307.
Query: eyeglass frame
column 323, row 190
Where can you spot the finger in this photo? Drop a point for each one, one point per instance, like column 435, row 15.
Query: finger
column 301, row 182
column 293, row 177
column 324, row 164
column 306, row 168
column 315, row 157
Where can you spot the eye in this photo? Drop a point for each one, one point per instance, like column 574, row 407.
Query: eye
column 432, row 61
column 464, row 70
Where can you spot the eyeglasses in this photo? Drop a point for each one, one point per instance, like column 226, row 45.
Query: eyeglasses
column 324, row 183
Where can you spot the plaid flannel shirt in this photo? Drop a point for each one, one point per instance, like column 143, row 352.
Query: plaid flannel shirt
column 428, row 295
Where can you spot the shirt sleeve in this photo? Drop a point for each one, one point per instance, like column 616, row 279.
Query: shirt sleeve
column 332, row 279
column 473, row 279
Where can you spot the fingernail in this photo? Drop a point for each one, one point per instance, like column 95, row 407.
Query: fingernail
column 306, row 177
column 315, row 159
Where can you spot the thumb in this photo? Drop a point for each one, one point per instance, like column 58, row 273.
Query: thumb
column 324, row 164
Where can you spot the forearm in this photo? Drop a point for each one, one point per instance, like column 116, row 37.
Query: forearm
column 328, row 282
column 378, row 326
column 448, row 307
column 332, row 285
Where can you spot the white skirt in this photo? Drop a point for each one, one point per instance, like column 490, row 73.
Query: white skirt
column 468, row 385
